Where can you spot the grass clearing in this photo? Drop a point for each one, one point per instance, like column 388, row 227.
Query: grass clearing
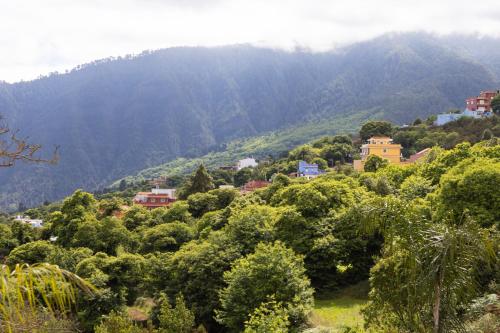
column 340, row 309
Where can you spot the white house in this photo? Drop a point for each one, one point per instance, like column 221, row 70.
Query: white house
column 226, row 187
column 246, row 162
column 33, row 222
column 168, row 191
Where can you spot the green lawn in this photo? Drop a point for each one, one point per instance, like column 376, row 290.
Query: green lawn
column 340, row 309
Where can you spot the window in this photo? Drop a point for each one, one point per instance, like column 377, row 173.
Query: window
column 153, row 200
column 385, row 150
column 162, row 200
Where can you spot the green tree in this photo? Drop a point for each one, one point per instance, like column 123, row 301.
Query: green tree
column 175, row 320
column 495, row 104
column 78, row 204
column 31, row 253
column 433, row 264
column 201, row 181
column 276, row 271
column 374, row 162
column 331, row 140
column 136, row 216
column 375, row 128
column 107, row 207
column 224, row 196
column 472, row 188
column 338, row 152
column 166, row 237
column 196, row 271
column 268, row 317
column 123, row 274
column 106, row 236
column 116, row 322
column 251, row 225
column 76, row 210
column 123, row 185
column 241, row 177
column 200, row 203
column 415, row 187
column 178, row 211
column 68, row 258
column 23, row 232
column 322, row 164
column 7, row 240
column 304, row 153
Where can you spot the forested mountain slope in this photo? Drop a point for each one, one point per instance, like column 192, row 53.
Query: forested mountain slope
column 117, row 116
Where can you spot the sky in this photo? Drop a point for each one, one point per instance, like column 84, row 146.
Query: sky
column 42, row 36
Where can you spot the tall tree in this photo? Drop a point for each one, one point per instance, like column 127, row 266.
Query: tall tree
column 374, row 162
column 375, row 128
column 432, row 262
column 271, row 271
column 201, row 181
column 495, row 104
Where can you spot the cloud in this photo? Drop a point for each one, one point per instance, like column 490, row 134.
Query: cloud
column 41, row 36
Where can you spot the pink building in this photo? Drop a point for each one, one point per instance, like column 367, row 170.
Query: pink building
column 481, row 102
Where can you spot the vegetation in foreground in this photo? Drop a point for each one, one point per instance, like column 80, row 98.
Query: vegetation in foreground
column 340, row 309
column 426, row 237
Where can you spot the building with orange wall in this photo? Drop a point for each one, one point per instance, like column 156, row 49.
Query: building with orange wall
column 381, row 146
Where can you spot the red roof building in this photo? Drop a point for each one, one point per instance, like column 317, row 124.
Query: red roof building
column 254, row 185
column 418, row 156
column 481, row 102
column 155, row 199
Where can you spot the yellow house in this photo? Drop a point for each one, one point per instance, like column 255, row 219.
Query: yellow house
column 381, row 146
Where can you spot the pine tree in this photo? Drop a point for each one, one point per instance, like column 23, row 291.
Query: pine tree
column 201, row 181
column 123, row 185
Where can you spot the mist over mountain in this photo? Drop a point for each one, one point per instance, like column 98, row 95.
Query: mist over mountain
column 117, row 116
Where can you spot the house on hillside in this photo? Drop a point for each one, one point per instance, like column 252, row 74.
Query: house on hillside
column 246, row 163
column 226, row 187
column 381, row 146
column 418, row 157
column 254, row 185
column 308, row 170
column 475, row 107
column 35, row 223
column 156, row 198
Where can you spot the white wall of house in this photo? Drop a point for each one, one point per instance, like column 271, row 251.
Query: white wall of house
column 169, row 191
column 246, row 162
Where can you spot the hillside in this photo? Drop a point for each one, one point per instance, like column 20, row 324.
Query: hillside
column 277, row 147
column 274, row 143
column 301, row 250
column 115, row 117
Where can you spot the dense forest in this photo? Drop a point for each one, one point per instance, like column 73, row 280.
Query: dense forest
column 115, row 117
column 424, row 235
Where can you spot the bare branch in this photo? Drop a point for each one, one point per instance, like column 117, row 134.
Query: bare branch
column 15, row 149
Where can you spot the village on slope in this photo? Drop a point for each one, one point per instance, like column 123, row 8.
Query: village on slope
column 373, row 151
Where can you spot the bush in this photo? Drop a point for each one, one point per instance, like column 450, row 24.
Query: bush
column 374, row 162
column 278, row 272
column 269, row 317
column 117, row 323
column 175, row 320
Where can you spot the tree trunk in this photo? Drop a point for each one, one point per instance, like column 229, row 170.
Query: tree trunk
column 437, row 302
